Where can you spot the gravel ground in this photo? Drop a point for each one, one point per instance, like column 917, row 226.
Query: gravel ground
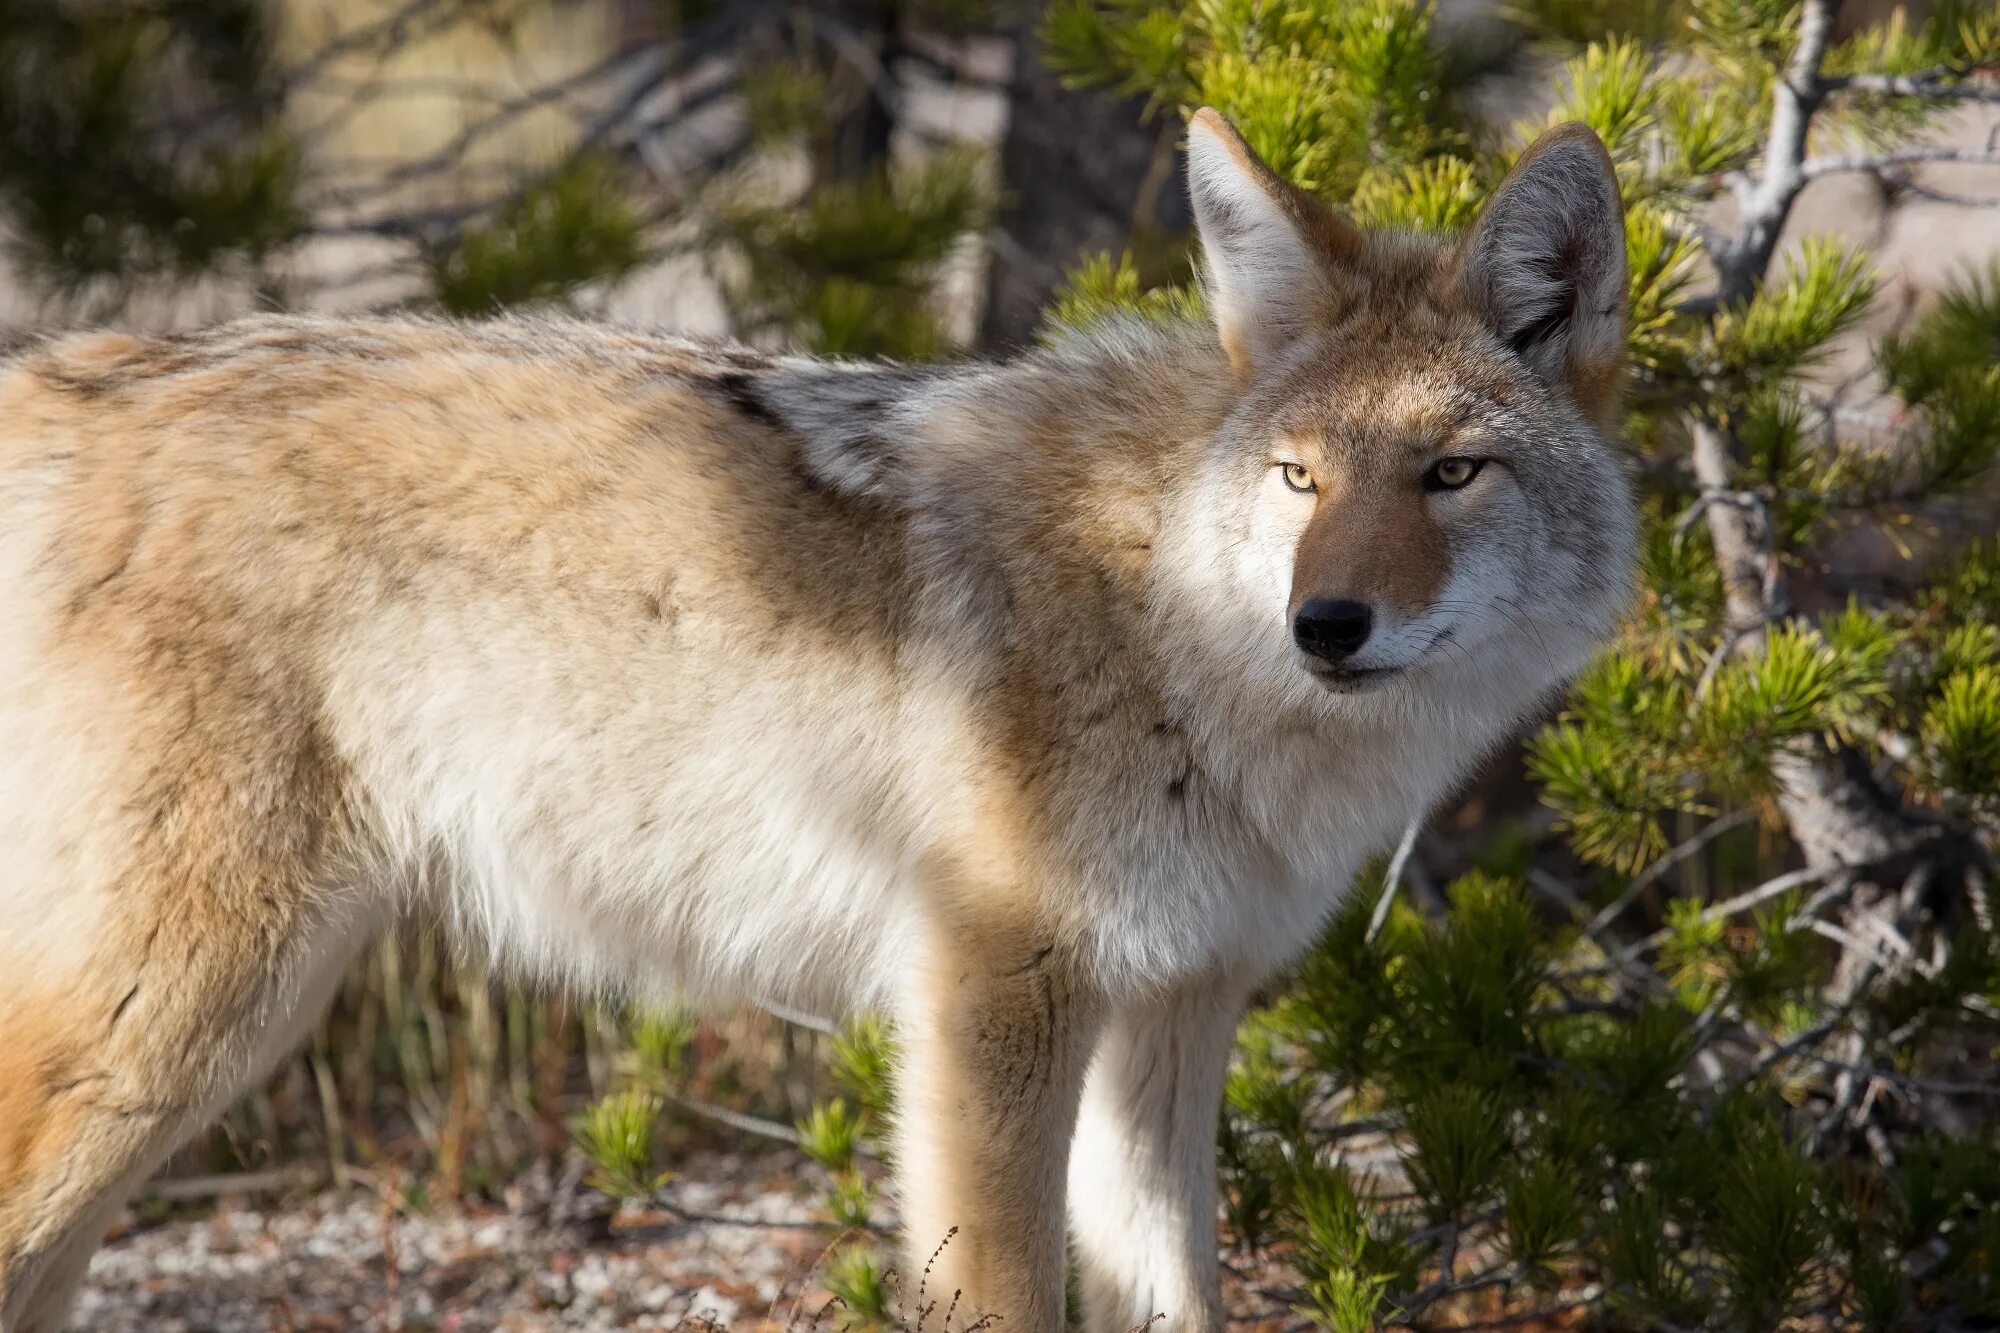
column 734, row 1243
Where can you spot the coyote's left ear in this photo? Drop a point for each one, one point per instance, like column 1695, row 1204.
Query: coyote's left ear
column 1545, row 266
column 1274, row 255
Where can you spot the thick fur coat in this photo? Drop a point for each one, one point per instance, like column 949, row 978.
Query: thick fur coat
column 1014, row 699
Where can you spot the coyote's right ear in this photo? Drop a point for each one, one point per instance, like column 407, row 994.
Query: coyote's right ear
column 1273, row 253
column 1545, row 265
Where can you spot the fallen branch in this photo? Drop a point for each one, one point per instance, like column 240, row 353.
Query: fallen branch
column 277, row 1180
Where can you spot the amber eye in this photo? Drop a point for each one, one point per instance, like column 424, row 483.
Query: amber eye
column 1297, row 477
column 1450, row 474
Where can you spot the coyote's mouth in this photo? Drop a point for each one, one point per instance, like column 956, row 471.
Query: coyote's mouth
column 1359, row 680
column 1354, row 680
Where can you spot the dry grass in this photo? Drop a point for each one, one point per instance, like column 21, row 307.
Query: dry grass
column 429, row 1064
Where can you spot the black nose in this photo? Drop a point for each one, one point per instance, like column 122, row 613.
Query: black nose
column 1332, row 628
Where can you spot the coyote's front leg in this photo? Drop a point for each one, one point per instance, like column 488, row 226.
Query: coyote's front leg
column 1142, row 1171
column 995, row 1037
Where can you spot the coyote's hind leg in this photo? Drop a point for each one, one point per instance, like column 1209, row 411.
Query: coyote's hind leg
column 101, row 1079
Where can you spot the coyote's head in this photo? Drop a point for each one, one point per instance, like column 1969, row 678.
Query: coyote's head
column 1414, row 490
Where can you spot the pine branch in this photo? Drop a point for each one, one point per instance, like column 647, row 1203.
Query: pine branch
column 1834, row 811
column 1796, row 96
column 1839, row 818
column 1742, row 537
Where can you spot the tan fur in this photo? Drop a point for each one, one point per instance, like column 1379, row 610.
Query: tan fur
column 1390, row 553
column 969, row 692
column 994, row 1065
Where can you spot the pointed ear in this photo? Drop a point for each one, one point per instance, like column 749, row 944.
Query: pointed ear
column 1545, row 266
column 1273, row 254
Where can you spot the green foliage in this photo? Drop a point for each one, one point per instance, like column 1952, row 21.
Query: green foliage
column 1583, row 1148
column 1608, row 804
column 1130, row 46
column 1959, row 33
column 1649, row 1279
column 1441, row 194
column 849, row 1199
column 862, row 1058
column 1957, row 336
column 100, row 177
column 1662, row 260
column 1260, row 1084
column 1100, row 287
column 859, row 1279
column 830, row 1133
column 574, row 226
column 1962, row 733
column 1458, row 1142
column 1318, row 90
column 1580, row 21
column 850, row 271
column 1708, row 127
column 1543, row 1217
column 1799, row 686
column 1767, row 1226
column 1468, row 993
column 1970, row 585
column 1949, row 40
column 1610, row 90
column 1948, row 365
column 171, row 141
column 1350, row 1265
column 1789, row 323
column 784, row 100
column 616, row 1134
column 659, row 1043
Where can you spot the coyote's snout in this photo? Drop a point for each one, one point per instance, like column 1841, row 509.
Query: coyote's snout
column 1046, row 704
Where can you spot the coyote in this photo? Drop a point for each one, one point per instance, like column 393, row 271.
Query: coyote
column 1047, row 705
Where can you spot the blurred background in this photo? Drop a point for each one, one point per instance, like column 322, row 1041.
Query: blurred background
column 1684, row 1016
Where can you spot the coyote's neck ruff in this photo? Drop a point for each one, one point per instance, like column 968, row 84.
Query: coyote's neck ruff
column 1049, row 704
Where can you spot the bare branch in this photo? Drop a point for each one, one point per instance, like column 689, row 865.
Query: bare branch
column 1740, row 265
column 1652, row 874
column 1394, row 877
column 1743, row 902
column 1939, row 84
column 799, row 1018
column 1817, row 167
column 1741, row 535
column 274, row 1181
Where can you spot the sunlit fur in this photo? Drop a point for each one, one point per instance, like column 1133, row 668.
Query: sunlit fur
column 658, row 667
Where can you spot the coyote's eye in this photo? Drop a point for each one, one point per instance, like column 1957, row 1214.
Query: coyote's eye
column 1297, row 477
column 1449, row 474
